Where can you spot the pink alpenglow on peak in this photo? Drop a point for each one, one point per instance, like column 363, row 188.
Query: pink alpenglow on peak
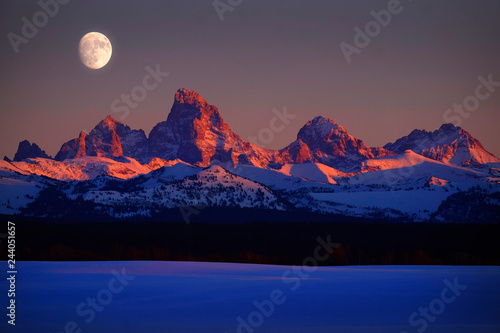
column 321, row 140
column 196, row 133
column 186, row 96
column 448, row 144
column 110, row 139
column 109, row 122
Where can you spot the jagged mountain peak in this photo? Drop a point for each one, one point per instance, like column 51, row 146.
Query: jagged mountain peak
column 419, row 135
column 196, row 133
column 322, row 140
column 186, row 96
column 448, row 143
column 444, row 128
column 189, row 107
column 108, row 122
column 448, row 133
column 320, row 120
column 29, row 150
column 417, row 132
column 449, row 127
column 109, row 138
column 322, row 128
column 323, row 124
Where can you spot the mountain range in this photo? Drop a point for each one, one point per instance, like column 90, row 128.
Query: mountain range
column 194, row 158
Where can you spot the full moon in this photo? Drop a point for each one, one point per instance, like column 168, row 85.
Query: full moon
column 95, row 50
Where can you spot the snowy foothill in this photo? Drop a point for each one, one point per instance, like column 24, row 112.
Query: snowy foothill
column 407, row 185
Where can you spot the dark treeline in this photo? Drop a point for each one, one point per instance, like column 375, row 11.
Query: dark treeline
column 362, row 243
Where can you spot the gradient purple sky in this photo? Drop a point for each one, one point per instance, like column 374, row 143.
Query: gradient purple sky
column 265, row 54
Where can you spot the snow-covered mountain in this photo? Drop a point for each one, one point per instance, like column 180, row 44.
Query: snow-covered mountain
column 110, row 138
column 196, row 133
column 194, row 159
column 322, row 140
column 449, row 144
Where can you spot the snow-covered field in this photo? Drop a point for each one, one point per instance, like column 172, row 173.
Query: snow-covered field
column 221, row 297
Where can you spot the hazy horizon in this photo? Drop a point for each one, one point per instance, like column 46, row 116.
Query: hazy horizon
column 261, row 56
